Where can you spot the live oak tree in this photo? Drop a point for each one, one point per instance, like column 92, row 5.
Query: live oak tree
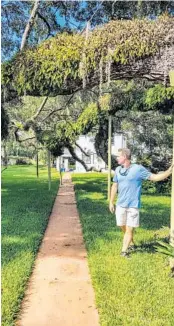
column 117, row 50
column 56, row 16
column 56, row 128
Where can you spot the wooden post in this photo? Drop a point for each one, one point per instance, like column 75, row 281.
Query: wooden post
column 49, row 171
column 109, row 155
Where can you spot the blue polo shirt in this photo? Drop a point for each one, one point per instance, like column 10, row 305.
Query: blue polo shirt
column 129, row 185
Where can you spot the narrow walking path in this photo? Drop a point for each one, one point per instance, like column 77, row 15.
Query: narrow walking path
column 60, row 291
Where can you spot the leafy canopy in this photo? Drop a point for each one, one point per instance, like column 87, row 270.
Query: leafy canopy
column 64, row 60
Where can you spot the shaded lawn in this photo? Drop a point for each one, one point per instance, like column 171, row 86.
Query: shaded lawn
column 26, row 206
column 135, row 292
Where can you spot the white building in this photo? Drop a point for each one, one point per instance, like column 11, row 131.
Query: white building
column 86, row 143
column 63, row 160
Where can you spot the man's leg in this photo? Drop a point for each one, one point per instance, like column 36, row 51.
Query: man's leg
column 123, row 228
column 128, row 238
column 121, row 217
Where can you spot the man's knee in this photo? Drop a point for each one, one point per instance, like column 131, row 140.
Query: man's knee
column 129, row 230
column 123, row 228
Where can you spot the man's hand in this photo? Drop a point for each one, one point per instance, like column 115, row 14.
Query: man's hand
column 172, row 167
column 112, row 198
column 111, row 207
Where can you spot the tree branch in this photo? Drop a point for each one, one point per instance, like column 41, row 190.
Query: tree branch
column 60, row 109
column 40, row 108
column 30, row 121
column 82, row 149
column 45, row 21
column 22, row 140
column 29, row 25
column 16, row 134
column 74, row 155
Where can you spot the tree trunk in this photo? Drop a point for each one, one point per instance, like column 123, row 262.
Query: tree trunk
column 29, row 25
column 101, row 143
column 75, row 157
column 4, row 157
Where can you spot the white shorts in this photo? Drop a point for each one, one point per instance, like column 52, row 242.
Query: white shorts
column 127, row 216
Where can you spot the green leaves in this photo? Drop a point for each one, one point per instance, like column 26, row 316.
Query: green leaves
column 51, row 66
column 160, row 97
column 165, row 248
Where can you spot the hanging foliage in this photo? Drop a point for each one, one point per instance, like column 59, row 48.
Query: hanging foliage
column 161, row 98
column 53, row 67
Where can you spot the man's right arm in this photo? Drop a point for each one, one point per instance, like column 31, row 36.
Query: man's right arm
column 113, row 194
column 162, row 175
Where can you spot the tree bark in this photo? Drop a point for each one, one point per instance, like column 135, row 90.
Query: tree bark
column 101, row 143
column 29, row 25
column 75, row 157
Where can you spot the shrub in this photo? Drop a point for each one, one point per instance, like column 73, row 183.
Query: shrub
column 21, row 161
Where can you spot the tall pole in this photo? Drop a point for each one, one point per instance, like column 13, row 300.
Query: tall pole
column 37, row 163
column 60, row 170
column 109, row 155
column 172, row 199
column 171, row 76
column 49, row 170
column 172, row 208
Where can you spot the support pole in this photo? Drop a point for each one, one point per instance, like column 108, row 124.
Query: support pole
column 37, row 164
column 60, row 171
column 172, row 200
column 49, row 170
column 109, row 155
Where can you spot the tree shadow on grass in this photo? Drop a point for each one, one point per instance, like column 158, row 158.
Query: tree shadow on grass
column 148, row 247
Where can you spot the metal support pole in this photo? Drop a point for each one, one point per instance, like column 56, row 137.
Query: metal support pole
column 172, row 200
column 49, row 170
column 60, row 171
column 109, row 155
column 37, row 164
column 172, row 209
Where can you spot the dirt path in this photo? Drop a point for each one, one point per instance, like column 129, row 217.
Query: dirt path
column 60, row 291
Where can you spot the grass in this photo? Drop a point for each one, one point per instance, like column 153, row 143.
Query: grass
column 26, row 206
column 135, row 292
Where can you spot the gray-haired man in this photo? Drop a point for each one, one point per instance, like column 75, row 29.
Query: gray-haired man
column 127, row 181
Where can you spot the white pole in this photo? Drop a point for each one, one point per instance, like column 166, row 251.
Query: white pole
column 172, row 200
column 49, row 171
column 109, row 156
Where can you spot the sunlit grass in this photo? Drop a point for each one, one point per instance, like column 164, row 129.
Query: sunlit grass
column 26, row 206
column 135, row 292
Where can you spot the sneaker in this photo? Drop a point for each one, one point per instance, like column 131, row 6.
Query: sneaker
column 125, row 254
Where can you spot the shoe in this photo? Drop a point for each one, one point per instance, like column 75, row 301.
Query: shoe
column 125, row 254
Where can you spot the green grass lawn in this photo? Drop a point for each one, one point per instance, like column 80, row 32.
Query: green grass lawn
column 26, row 206
column 135, row 292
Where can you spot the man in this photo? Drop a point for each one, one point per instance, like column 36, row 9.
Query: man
column 128, row 181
